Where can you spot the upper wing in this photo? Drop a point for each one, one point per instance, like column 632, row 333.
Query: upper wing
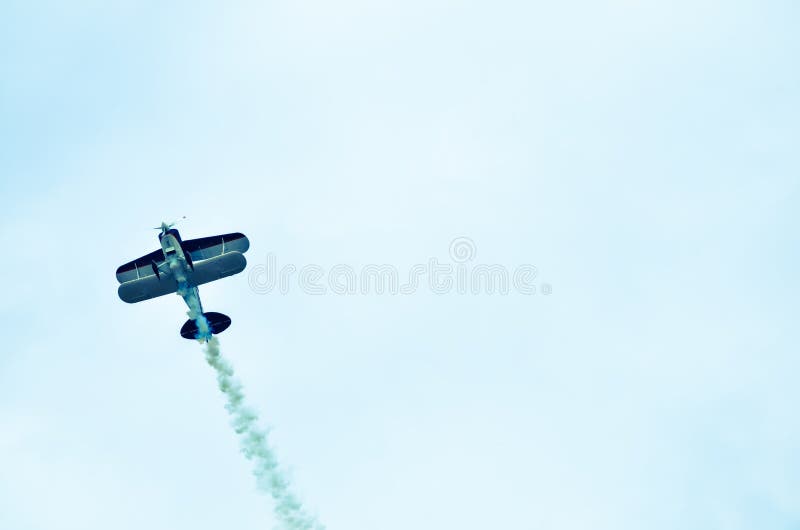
column 209, row 247
column 199, row 249
column 140, row 268
column 146, row 288
column 222, row 266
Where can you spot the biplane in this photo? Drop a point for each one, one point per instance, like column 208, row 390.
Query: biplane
column 180, row 267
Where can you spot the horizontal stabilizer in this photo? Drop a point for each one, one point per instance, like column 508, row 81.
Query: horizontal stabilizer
column 216, row 321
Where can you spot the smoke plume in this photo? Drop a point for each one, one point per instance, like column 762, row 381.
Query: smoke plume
column 252, row 440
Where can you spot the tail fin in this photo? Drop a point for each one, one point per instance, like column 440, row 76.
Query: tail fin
column 216, row 321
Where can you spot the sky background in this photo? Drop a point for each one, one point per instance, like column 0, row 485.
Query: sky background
column 642, row 155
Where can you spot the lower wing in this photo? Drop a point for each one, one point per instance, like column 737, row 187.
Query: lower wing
column 146, row 288
column 222, row 266
column 205, row 271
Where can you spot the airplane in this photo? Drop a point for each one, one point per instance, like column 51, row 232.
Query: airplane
column 180, row 267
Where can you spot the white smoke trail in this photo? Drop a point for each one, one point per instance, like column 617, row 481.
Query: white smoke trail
column 254, row 446
column 252, row 440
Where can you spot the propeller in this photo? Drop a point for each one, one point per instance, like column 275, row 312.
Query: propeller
column 166, row 226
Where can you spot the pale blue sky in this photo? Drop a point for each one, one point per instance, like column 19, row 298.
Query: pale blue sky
column 643, row 155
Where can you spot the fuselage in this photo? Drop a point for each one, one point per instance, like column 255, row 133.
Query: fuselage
column 180, row 265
